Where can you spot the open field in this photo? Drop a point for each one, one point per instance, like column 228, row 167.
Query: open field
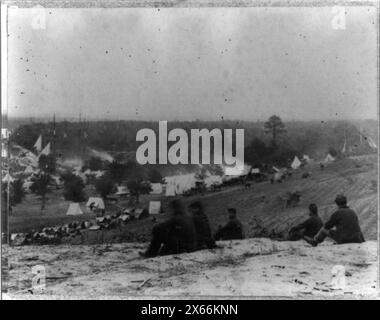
column 251, row 267
column 355, row 177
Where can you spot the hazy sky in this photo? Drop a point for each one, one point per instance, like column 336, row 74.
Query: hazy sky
column 188, row 63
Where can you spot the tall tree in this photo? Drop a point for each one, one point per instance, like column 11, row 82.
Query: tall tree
column 117, row 171
column 40, row 187
column 73, row 189
column 47, row 163
column 104, row 185
column 155, row 176
column 16, row 194
column 274, row 126
column 138, row 187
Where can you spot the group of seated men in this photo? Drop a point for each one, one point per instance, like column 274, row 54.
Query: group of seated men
column 342, row 227
column 186, row 233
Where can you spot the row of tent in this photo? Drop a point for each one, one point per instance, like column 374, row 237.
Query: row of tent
column 55, row 235
column 296, row 163
column 38, row 146
column 97, row 204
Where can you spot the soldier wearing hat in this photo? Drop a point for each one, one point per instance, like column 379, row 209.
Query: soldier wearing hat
column 342, row 227
column 232, row 230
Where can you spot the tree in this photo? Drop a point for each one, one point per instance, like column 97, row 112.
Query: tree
column 257, row 152
column 155, row 176
column 40, row 187
column 46, row 163
column 104, row 185
column 117, row 171
column 94, row 164
column 73, row 189
column 275, row 126
column 138, row 187
column 16, row 194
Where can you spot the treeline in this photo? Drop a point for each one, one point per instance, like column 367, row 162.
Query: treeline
column 312, row 137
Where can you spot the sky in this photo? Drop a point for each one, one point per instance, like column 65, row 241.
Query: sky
column 192, row 63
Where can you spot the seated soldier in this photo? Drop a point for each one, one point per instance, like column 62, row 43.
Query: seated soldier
column 309, row 227
column 176, row 235
column 232, row 230
column 202, row 226
column 346, row 224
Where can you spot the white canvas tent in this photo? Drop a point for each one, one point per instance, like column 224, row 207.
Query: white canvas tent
column 8, row 178
column 170, row 189
column 4, row 133
column 74, row 209
column 4, row 153
column 154, row 207
column 371, row 143
column 306, row 158
column 47, row 150
column 237, row 170
column 95, row 203
column 255, row 170
column 296, row 163
column 179, row 184
column 156, row 188
column 38, row 144
column 28, row 170
column 213, row 180
column 122, row 191
column 329, row 158
column 26, row 185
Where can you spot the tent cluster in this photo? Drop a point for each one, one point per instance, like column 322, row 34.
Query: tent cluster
column 38, row 146
column 55, row 235
column 191, row 183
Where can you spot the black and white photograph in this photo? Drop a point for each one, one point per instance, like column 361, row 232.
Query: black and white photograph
column 189, row 150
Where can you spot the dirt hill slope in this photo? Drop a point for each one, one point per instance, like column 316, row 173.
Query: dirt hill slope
column 355, row 177
column 251, row 267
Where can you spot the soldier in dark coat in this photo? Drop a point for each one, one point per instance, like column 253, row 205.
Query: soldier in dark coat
column 232, row 230
column 309, row 227
column 176, row 235
column 345, row 223
column 202, row 226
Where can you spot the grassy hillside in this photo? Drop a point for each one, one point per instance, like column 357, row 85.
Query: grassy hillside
column 355, row 177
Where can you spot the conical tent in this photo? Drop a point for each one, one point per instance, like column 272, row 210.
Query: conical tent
column 46, row 150
column 371, row 143
column 296, row 163
column 38, row 144
column 329, row 158
column 306, row 158
column 8, row 178
column 28, row 170
column 95, row 203
column 74, row 209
